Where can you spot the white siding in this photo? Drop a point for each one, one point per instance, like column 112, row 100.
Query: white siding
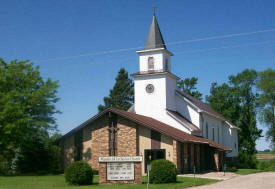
column 159, row 60
column 187, row 111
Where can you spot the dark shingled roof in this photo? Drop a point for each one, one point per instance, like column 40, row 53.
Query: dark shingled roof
column 154, row 125
column 154, row 39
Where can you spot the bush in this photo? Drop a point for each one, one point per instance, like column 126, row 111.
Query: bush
column 267, row 165
column 79, row 173
column 4, row 167
column 263, row 165
column 95, row 172
column 232, row 169
column 247, row 161
column 163, row 171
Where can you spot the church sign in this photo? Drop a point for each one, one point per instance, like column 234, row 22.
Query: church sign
column 120, row 159
column 120, row 168
column 120, row 171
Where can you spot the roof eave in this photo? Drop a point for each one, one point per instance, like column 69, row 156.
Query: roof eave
column 154, row 50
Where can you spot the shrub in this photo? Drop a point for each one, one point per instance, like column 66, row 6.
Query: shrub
column 267, row 165
column 79, row 173
column 4, row 167
column 163, row 171
column 95, row 172
column 247, row 160
column 263, row 165
column 232, row 169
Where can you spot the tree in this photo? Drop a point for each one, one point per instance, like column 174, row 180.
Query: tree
column 224, row 99
column 188, row 86
column 121, row 95
column 27, row 104
column 237, row 101
column 266, row 86
column 245, row 83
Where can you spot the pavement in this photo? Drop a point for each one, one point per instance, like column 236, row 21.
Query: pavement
column 213, row 175
column 251, row 181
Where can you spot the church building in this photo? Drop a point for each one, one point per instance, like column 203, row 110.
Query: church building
column 163, row 123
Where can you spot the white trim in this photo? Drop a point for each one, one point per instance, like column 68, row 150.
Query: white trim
column 152, row 50
column 179, row 121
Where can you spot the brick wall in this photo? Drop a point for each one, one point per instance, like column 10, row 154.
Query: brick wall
column 127, row 138
column 176, row 155
column 99, row 141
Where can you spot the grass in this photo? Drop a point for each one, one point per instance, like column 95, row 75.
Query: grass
column 58, row 182
column 247, row 171
column 266, row 153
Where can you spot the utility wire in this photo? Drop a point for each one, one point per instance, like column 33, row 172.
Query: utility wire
column 225, row 47
column 170, row 43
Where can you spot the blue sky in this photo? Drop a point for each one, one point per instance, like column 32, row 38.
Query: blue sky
column 47, row 31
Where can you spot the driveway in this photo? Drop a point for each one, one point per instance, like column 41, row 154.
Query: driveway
column 252, row 181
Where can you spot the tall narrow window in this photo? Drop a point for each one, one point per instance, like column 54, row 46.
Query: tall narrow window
column 213, row 135
column 218, row 134
column 206, row 130
column 150, row 63
column 166, row 64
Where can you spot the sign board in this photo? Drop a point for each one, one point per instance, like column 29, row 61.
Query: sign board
column 120, row 171
column 120, row 159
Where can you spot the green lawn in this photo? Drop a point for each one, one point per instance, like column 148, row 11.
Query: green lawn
column 247, row 171
column 58, row 182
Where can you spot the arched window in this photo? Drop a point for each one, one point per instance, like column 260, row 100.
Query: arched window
column 150, row 63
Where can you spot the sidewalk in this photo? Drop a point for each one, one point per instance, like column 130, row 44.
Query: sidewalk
column 212, row 175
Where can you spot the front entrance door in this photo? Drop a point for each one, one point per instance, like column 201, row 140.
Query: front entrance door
column 153, row 154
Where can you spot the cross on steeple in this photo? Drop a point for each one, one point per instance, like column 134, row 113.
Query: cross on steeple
column 154, row 10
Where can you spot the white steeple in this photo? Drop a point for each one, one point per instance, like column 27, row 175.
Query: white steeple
column 155, row 85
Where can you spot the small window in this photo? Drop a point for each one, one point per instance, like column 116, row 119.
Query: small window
column 213, row 129
column 150, row 63
column 206, row 130
column 166, row 64
column 218, row 134
column 235, row 145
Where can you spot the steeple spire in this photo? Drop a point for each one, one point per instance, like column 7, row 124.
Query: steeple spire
column 154, row 39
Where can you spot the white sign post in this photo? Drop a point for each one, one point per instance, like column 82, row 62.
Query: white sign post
column 148, row 178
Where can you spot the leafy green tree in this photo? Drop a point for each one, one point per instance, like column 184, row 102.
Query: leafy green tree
column 224, row 99
column 237, row 101
column 27, row 104
column 188, row 85
column 266, row 86
column 121, row 95
column 245, row 83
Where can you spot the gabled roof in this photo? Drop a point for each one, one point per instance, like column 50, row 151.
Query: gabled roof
column 203, row 107
column 154, row 125
column 185, row 121
column 154, row 39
